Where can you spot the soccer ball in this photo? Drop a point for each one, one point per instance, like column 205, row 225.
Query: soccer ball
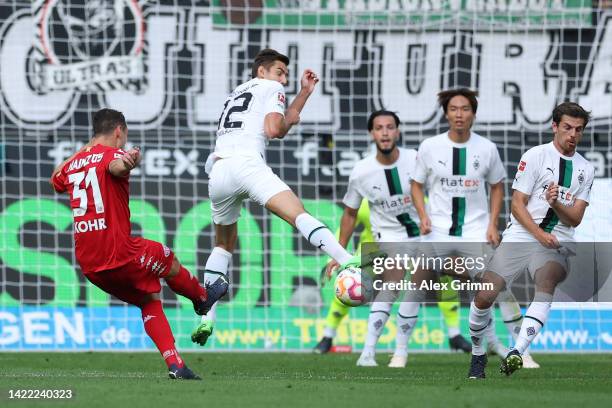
column 352, row 287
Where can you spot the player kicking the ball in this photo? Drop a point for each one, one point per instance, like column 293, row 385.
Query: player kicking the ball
column 254, row 113
column 551, row 193
column 127, row 267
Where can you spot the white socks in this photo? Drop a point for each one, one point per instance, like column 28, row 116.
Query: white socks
column 534, row 320
column 379, row 314
column 217, row 264
column 320, row 236
column 479, row 321
column 407, row 317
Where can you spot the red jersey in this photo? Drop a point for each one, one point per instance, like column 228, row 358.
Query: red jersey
column 100, row 207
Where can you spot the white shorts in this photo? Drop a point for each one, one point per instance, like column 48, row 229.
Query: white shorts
column 513, row 258
column 438, row 245
column 234, row 179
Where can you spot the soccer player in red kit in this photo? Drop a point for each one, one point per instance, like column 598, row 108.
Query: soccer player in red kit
column 128, row 267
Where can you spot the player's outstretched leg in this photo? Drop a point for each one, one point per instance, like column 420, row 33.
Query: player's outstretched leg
column 182, row 282
column 337, row 312
column 289, row 207
column 157, row 327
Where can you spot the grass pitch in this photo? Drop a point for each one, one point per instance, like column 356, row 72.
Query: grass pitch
column 114, row 380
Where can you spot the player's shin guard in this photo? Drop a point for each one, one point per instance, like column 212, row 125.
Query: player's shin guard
column 479, row 321
column 337, row 312
column 186, row 284
column 534, row 320
column 320, row 236
column 407, row 317
column 157, row 327
column 379, row 314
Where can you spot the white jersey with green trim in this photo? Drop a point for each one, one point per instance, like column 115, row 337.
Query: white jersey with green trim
column 387, row 189
column 539, row 167
column 241, row 124
column 454, row 175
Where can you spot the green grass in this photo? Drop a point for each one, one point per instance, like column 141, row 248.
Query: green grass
column 114, row 380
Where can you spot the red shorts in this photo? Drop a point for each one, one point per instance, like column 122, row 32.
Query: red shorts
column 139, row 277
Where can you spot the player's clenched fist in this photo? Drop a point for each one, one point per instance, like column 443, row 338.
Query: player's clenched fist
column 132, row 158
column 552, row 193
column 309, row 80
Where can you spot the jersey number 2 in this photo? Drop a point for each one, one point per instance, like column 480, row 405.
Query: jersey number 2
column 91, row 180
column 236, row 107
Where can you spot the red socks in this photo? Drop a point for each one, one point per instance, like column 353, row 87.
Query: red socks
column 157, row 327
column 187, row 285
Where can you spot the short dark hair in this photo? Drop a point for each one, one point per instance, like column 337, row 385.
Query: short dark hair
column 267, row 57
column 106, row 120
column 382, row 112
column 444, row 97
column 570, row 109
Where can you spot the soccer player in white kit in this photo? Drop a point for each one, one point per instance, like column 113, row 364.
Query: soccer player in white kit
column 384, row 180
column 551, row 192
column 253, row 114
column 454, row 167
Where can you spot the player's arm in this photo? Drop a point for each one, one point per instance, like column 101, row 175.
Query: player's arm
column 496, row 176
column 568, row 215
column 347, row 225
column 417, row 192
column 61, row 166
column 277, row 125
column 126, row 162
column 418, row 199
column 496, row 192
column 520, row 212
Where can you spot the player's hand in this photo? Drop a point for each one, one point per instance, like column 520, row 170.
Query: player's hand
column 548, row 240
column 552, row 193
column 425, row 225
column 328, row 271
column 292, row 117
column 493, row 235
column 308, row 81
column 131, row 158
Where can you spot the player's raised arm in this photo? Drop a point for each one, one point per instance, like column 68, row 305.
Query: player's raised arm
column 275, row 124
column 126, row 162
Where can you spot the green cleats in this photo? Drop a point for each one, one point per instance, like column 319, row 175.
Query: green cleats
column 201, row 334
column 511, row 363
column 367, row 261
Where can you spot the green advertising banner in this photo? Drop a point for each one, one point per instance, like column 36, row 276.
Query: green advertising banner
column 401, row 14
